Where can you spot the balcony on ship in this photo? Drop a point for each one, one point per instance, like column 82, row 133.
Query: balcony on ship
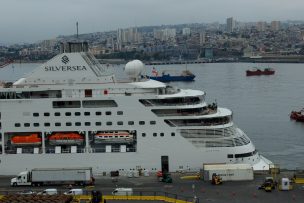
column 185, row 112
column 199, row 122
column 179, row 101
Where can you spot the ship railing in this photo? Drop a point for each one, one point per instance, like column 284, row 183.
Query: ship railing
column 153, row 103
column 184, row 113
column 115, row 150
column 64, row 151
column 24, row 151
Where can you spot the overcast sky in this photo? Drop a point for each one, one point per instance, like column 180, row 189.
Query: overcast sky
column 34, row 20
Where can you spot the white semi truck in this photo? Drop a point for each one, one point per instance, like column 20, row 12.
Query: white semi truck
column 46, row 176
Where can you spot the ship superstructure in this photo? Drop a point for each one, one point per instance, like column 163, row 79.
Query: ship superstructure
column 70, row 112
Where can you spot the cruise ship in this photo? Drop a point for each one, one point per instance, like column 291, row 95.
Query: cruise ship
column 72, row 112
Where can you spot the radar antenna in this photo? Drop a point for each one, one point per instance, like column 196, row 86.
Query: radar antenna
column 77, row 29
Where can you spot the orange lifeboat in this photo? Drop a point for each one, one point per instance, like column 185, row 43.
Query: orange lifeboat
column 66, row 139
column 32, row 139
column 114, row 137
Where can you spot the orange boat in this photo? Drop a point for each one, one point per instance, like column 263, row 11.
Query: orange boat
column 66, row 139
column 114, row 137
column 32, row 139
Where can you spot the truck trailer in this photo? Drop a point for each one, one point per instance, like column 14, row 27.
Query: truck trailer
column 48, row 176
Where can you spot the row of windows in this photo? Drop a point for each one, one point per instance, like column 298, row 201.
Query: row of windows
column 85, row 123
column 97, row 113
column 155, row 134
column 242, row 155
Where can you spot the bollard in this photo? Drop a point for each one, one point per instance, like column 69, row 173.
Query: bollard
column 254, row 195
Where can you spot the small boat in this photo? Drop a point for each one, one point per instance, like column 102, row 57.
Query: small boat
column 297, row 115
column 185, row 75
column 66, row 139
column 26, row 140
column 114, row 137
column 256, row 71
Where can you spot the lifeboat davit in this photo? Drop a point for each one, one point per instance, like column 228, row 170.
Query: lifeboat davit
column 26, row 140
column 66, row 139
column 297, row 115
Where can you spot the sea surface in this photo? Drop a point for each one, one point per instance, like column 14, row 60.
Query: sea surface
column 261, row 105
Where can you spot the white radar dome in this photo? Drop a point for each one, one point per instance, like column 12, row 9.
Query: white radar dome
column 134, row 68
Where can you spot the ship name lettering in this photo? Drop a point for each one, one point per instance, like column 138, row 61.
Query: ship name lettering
column 65, row 68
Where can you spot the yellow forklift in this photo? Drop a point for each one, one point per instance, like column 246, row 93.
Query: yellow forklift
column 268, row 185
column 216, row 179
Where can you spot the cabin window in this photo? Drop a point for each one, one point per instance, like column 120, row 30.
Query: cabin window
column 17, row 125
column 57, row 114
column 98, row 123
column 172, row 134
column 119, row 123
column 152, row 122
column 36, row 124
column 66, row 104
column 87, row 123
column 99, row 103
column 68, row 124
column 162, row 134
column 68, row 113
column 98, row 113
column 86, row 113
column 119, row 112
column 77, row 113
column 143, row 134
column 108, row 113
column 141, row 122
column 230, row 156
column 26, row 125
column 57, row 124
column 109, row 123
column 35, row 114
column 77, row 124
column 88, row 93
column 154, row 134
column 130, row 122
column 47, row 124
column 46, row 114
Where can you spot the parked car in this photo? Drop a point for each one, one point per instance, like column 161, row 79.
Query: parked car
column 123, row 191
column 50, row 191
column 74, row 192
column 26, row 192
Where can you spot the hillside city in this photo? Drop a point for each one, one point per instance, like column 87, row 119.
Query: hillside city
column 233, row 41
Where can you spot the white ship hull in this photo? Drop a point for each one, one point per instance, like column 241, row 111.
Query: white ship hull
column 71, row 93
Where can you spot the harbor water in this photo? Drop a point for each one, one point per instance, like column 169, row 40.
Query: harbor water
column 261, row 105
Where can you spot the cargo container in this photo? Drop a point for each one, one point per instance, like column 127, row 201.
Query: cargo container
column 47, row 176
column 228, row 172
